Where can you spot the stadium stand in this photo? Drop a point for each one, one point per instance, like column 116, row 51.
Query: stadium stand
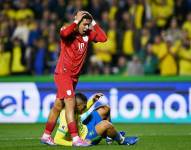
column 145, row 37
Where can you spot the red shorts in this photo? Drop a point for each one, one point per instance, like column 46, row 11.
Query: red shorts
column 65, row 85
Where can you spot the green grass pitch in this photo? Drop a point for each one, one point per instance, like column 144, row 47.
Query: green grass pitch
column 152, row 137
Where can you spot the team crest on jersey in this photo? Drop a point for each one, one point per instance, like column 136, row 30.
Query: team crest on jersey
column 85, row 38
column 69, row 92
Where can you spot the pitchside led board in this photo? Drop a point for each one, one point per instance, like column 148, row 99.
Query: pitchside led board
column 152, row 102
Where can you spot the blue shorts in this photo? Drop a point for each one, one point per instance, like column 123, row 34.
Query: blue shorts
column 93, row 119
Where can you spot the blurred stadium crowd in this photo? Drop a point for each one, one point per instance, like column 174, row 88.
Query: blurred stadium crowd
column 145, row 37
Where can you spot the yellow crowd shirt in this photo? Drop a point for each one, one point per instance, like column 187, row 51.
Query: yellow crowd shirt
column 167, row 60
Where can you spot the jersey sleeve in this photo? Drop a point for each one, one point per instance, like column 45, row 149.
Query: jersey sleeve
column 97, row 34
column 87, row 111
column 67, row 31
column 89, row 104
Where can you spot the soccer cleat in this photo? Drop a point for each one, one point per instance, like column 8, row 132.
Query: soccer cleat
column 130, row 140
column 81, row 143
column 122, row 133
column 48, row 141
column 110, row 140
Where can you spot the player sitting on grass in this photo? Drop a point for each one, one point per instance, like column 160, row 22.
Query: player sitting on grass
column 96, row 124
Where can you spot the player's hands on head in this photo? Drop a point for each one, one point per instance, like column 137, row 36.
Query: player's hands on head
column 88, row 14
column 97, row 96
column 80, row 15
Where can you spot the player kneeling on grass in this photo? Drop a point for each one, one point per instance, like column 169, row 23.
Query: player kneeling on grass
column 93, row 124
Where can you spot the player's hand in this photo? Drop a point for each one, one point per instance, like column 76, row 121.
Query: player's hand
column 80, row 15
column 88, row 14
column 97, row 96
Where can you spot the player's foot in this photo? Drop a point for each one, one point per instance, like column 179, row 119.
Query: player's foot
column 122, row 133
column 130, row 140
column 80, row 142
column 47, row 140
column 110, row 140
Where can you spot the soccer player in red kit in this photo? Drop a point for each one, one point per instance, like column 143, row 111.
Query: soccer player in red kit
column 74, row 43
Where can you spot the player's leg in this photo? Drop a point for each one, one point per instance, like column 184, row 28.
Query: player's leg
column 104, row 112
column 69, row 113
column 106, row 128
column 52, row 120
column 69, row 101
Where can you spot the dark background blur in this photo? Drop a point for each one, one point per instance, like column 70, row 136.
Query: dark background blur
column 145, row 37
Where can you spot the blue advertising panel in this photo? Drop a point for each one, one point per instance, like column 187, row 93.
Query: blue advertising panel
column 152, row 102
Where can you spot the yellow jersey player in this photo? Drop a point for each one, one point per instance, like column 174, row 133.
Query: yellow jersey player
column 93, row 124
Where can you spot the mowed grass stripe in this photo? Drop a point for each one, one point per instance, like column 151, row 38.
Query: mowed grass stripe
column 152, row 137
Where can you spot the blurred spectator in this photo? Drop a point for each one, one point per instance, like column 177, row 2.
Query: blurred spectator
column 37, row 7
column 104, row 22
column 145, row 37
column 137, row 12
column 60, row 9
column 128, row 42
column 8, row 10
column 40, row 56
column 121, row 68
column 187, row 25
column 95, row 66
column 158, row 31
column 52, row 53
column 113, row 9
column 95, row 7
column 151, row 26
column 18, row 57
column 21, row 31
column 107, row 69
column 149, row 60
column 5, row 57
column 161, row 11
column 173, row 32
column 180, row 9
column 162, row 50
column 183, row 51
column 135, row 67
column 23, row 11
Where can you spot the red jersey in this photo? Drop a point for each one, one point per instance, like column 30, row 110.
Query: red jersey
column 74, row 48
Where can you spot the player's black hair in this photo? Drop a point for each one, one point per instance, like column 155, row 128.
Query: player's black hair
column 86, row 16
column 81, row 97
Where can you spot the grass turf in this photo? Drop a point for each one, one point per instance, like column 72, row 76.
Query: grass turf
column 152, row 137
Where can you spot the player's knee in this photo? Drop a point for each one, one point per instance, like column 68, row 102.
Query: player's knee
column 58, row 106
column 106, row 124
column 106, row 109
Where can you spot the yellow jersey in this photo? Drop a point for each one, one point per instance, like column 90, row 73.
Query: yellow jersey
column 62, row 136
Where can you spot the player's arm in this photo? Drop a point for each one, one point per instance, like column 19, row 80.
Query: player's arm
column 88, row 111
column 97, row 34
column 66, row 31
column 93, row 100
